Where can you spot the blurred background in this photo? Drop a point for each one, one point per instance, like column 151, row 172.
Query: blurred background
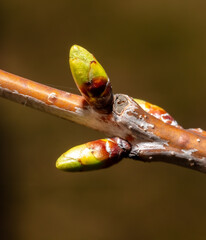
column 152, row 50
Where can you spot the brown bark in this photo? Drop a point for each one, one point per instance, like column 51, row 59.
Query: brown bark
column 150, row 138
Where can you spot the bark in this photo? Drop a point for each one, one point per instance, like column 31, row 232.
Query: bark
column 150, row 138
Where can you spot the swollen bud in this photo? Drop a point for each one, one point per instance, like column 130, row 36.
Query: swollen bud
column 157, row 112
column 94, row 155
column 90, row 78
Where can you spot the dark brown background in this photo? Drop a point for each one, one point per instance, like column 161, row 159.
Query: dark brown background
column 152, row 50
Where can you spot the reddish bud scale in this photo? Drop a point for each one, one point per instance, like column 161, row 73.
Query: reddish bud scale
column 108, row 151
column 98, row 92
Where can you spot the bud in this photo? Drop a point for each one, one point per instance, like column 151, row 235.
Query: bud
column 157, row 112
column 90, row 78
column 94, row 155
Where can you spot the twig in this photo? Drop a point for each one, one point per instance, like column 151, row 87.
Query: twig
column 47, row 99
column 150, row 138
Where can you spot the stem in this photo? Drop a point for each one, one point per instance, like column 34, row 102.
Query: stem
column 154, row 140
column 47, row 99
column 150, row 138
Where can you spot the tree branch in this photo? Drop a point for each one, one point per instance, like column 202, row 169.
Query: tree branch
column 47, row 99
column 150, row 138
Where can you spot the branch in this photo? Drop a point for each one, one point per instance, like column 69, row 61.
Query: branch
column 154, row 140
column 150, row 138
column 47, row 99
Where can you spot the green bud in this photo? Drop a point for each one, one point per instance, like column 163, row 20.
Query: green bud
column 93, row 155
column 90, row 78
